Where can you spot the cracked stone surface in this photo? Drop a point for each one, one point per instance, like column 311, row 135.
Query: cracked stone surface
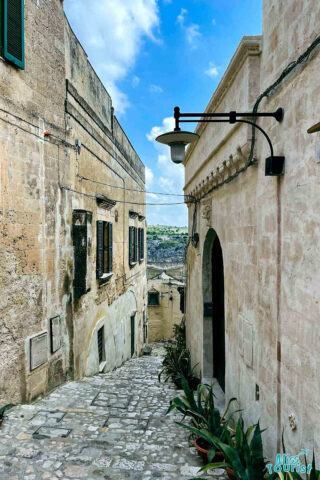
column 110, row 426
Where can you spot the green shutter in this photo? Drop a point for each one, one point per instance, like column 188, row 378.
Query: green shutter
column 13, row 31
column 135, row 246
column 80, row 244
column 109, row 247
column 142, row 243
column 141, row 240
column 130, row 246
column 100, row 252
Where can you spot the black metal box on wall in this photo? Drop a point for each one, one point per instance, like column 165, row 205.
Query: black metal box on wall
column 208, row 309
column 274, row 166
column 82, row 241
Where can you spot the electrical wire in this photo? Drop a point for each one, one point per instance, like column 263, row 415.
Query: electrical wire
column 64, row 187
column 133, row 189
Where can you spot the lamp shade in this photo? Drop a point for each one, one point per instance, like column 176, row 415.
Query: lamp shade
column 177, row 140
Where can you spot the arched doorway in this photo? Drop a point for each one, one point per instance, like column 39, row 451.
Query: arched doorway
column 214, row 318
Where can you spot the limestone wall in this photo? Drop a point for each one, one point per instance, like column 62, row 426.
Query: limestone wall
column 163, row 317
column 268, row 231
column 41, row 184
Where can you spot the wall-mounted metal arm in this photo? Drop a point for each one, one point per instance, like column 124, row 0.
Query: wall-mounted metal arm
column 231, row 117
column 177, row 139
column 217, row 118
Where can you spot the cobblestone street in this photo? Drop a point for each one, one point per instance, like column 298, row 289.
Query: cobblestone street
column 111, row 426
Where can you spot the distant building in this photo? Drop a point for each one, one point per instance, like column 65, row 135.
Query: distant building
column 165, row 306
column 72, row 266
column 253, row 290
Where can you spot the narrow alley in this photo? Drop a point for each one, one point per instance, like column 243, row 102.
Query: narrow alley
column 110, row 426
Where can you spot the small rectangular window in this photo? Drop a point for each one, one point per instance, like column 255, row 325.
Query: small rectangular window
column 104, row 248
column 153, row 299
column 101, row 344
column 12, row 24
column 133, row 246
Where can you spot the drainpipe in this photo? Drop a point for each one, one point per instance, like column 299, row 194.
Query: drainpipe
column 278, row 296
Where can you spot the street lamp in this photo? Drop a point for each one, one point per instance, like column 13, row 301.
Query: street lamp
column 178, row 139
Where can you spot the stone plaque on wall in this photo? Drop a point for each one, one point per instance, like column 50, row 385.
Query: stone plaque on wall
column 55, row 333
column 38, row 350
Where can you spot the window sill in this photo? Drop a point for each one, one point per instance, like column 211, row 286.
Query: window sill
column 132, row 264
column 105, row 277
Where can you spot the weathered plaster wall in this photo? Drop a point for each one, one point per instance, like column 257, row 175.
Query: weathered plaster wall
column 162, row 318
column 40, row 187
column 106, row 160
column 30, row 205
column 269, row 237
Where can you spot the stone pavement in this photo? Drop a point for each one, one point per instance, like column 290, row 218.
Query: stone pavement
column 111, row 426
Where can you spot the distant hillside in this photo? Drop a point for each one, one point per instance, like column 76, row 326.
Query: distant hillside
column 166, row 245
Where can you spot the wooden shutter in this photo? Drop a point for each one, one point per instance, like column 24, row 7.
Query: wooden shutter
column 110, row 247
column 130, row 245
column 142, row 244
column 79, row 240
column 100, row 251
column 13, row 31
column 135, row 244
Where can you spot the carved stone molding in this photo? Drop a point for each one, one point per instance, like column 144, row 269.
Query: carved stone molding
column 223, row 171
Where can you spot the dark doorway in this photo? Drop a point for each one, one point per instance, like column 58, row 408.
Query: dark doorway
column 218, row 323
column 132, row 335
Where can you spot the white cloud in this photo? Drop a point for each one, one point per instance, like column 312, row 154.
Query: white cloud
column 181, row 16
column 191, row 31
column 135, row 81
column 172, row 178
column 155, row 89
column 152, row 195
column 112, row 35
column 212, row 71
column 149, row 177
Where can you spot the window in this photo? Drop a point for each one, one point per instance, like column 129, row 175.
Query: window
column 153, row 299
column 12, row 31
column 82, row 240
column 104, row 248
column 133, row 246
column 101, row 344
column 141, row 244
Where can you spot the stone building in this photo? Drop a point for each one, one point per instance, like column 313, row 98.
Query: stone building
column 72, row 268
column 253, row 296
column 165, row 306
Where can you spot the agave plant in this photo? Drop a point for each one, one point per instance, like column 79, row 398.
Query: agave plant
column 205, row 418
column 176, row 363
column 245, row 456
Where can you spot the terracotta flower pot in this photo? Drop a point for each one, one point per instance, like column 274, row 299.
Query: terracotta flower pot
column 230, row 473
column 204, row 453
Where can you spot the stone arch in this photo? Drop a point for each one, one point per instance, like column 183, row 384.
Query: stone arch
column 213, row 311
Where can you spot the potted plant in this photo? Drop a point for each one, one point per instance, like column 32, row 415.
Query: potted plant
column 204, row 418
column 177, row 362
column 244, row 459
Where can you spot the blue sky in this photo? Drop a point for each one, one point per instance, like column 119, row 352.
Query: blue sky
column 155, row 54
